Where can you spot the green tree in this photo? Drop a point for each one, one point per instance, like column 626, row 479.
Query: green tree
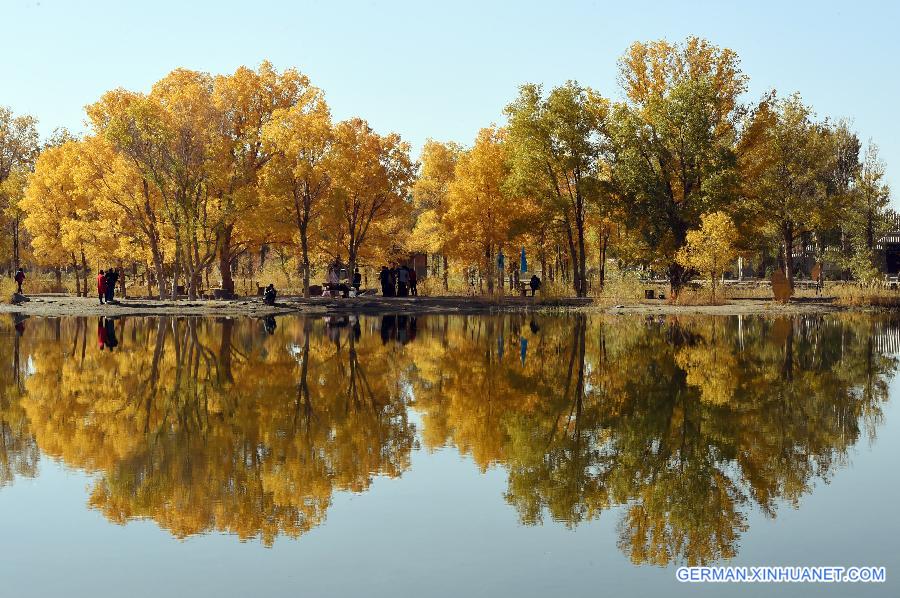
column 674, row 139
column 785, row 157
column 18, row 151
column 867, row 217
column 557, row 146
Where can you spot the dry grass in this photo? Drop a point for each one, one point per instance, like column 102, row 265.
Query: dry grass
column 36, row 282
column 853, row 295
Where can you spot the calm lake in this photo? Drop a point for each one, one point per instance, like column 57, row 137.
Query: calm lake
column 513, row 455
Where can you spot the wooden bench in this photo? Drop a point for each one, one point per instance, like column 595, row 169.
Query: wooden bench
column 524, row 287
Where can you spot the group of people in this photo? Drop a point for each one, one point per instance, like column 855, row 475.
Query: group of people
column 106, row 285
column 398, row 282
column 334, row 282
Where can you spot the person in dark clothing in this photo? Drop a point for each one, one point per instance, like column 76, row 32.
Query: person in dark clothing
column 413, row 281
column 402, row 281
column 19, row 278
column 112, row 276
column 270, row 294
column 535, row 284
column 101, row 287
column 357, row 280
column 384, row 279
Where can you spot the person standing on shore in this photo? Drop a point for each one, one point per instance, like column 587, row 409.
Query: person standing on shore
column 112, row 276
column 19, row 278
column 384, row 277
column 413, row 283
column 402, row 281
column 535, row 284
column 101, row 285
column 357, row 280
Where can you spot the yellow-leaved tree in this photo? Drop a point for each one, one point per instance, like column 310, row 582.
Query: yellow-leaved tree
column 711, row 248
column 480, row 217
column 295, row 181
column 370, row 179
column 245, row 103
column 62, row 215
column 430, row 199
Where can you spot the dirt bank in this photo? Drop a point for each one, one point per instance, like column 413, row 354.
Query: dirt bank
column 737, row 307
column 62, row 305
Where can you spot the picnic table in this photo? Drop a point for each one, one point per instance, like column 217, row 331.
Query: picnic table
column 524, row 287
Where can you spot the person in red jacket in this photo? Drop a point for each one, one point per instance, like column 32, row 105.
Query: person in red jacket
column 20, row 278
column 101, row 285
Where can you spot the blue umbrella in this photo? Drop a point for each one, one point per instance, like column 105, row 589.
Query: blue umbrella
column 524, row 261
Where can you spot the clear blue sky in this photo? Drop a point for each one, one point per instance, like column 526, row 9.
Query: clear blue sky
column 443, row 70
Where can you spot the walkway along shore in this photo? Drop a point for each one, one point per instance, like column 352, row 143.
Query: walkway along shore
column 62, row 305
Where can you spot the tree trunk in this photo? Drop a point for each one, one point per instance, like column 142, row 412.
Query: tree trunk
column 676, row 273
column 176, row 266
column 604, row 242
column 580, row 258
column 225, row 238
column 84, row 269
column 446, row 282
column 788, row 234
column 352, row 251
column 77, row 279
column 489, row 256
column 304, row 258
column 157, row 267
column 16, row 243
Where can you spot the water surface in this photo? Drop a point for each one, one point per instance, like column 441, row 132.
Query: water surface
column 443, row 455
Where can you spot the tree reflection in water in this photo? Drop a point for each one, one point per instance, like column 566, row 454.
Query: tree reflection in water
column 249, row 428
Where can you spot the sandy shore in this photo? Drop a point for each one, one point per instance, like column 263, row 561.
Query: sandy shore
column 62, row 305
